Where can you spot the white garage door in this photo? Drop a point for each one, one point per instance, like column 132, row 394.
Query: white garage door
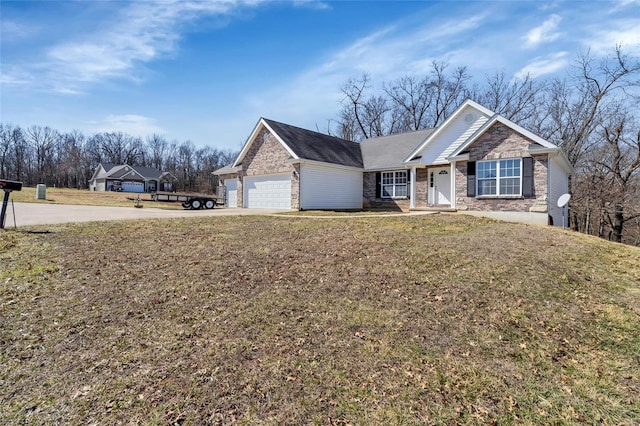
column 132, row 186
column 268, row 192
column 232, row 192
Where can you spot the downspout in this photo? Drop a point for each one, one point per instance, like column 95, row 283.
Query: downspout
column 412, row 188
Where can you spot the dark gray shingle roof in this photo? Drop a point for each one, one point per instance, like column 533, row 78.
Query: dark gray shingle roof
column 310, row 145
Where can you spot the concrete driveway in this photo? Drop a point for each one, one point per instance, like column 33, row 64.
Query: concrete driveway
column 27, row 214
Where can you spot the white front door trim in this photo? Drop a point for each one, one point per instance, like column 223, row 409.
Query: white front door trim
column 441, row 191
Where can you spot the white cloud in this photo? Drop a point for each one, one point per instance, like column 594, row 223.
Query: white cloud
column 313, row 96
column 547, row 65
column 623, row 4
column 143, row 31
column 312, row 4
column 11, row 30
column 624, row 32
column 545, row 32
column 136, row 125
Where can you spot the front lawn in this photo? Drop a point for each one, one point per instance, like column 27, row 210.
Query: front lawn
column 436, row 319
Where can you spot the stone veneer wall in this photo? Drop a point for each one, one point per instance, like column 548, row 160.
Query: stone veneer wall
column 266, row 157
column 239, row 188
column 501, row 142
column 369, row 193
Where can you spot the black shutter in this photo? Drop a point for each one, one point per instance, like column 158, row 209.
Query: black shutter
column 408, row 172
column 527, row 177
column 471, row 178
column 378, row 184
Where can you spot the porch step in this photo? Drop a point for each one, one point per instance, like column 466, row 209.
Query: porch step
column 443, row 209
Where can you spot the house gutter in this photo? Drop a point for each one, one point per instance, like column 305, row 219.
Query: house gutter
column 322, row 164
column 555, row 152
column 227, row 171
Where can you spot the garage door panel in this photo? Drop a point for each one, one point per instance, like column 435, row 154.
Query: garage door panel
column 133, row 187
column 268, row 192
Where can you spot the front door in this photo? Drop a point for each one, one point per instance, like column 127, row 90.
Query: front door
column 440, row 186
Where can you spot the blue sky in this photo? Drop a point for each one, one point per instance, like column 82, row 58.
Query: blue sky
column 206, row 71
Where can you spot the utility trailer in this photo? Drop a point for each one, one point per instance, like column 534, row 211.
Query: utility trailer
column 189, row 201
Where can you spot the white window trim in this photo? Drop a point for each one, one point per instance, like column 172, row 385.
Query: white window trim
column 394, row 185
column 497, row 179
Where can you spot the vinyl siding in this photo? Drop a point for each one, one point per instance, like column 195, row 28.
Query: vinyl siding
column 558, row 185
column 324, row 187
column 451, row 137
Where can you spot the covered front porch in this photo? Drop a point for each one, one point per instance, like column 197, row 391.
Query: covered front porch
column 432, row 188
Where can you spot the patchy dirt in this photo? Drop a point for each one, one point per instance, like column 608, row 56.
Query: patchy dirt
column 399, row 320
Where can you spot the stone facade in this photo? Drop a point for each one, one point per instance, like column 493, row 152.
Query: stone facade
column 501, row 142
column 228, row 176
column 266, row 156
column 370, row 200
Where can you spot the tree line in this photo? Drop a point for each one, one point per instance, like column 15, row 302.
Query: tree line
column 42, row 155
column 591, row 113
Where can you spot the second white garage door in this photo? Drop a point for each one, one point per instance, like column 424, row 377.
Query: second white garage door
column 231, row 186
column 268, row 192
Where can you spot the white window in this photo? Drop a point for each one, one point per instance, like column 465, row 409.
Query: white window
column 499, row 177
column 394, row 184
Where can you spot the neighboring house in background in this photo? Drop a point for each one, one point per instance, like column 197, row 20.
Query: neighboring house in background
column 475, row 161
column 108, row 177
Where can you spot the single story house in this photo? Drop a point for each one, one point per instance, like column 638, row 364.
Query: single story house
column 476, row 161
column 128, row 178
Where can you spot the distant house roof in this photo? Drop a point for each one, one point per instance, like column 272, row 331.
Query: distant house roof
column 117, row 171
column 149, row 172
column 389, row 152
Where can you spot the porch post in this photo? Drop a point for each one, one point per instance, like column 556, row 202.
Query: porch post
column 453, row 184
column 412, row 188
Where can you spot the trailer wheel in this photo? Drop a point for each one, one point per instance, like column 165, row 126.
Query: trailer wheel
column 209, row 204
column 196, row 204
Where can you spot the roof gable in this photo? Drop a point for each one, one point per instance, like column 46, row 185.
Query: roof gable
column 302, row 144
column 500, row 119
column 310, row 145
column 252, row 138
column 463, row 109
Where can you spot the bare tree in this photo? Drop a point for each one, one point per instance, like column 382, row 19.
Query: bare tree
column 120, row 148
column 74, row 165
column 427, row 102
column 620, row 157
column 410, row 98
column 355, row 108
column 520, row 100
column 42, row 141
column 578, row 107
column 157, row 146
column 6, row 151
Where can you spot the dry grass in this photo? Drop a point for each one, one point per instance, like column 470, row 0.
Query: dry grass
column 88, row 198
column 439, row 319
column 332, row 213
